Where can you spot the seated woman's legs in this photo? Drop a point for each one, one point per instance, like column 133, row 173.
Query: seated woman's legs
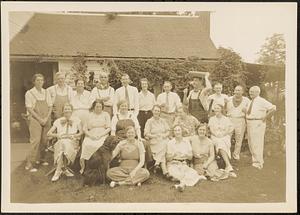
column 226, row 159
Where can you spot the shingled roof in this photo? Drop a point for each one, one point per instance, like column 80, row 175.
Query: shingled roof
column 123, row 36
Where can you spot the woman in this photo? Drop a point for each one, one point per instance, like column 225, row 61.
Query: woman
column 122, row 120
column 96, row 130
column 204, row 156
column 157, row 132
column 68, row 131
column 188, row 122
column 39, row 106
column 132, row 155
column 179, row 152
column 80, row 101
column 221, row 128
column 60, row 93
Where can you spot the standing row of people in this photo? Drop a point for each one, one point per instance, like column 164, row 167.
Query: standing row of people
column 151, row 118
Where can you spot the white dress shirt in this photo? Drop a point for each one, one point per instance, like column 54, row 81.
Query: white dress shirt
column 101, row 93
column 146, row 102
column 259, row 109
column 133, row 98
column 80, row 101
column 173, row 98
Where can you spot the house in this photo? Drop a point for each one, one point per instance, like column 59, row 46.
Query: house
column 48, row 43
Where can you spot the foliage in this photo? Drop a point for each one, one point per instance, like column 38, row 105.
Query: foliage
column 229, row 70
column 79, row 67
column 273, row 50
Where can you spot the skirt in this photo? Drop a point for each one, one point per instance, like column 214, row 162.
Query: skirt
column 89, row 146
column 212, row 169
column 67, row 147
column 223, row 143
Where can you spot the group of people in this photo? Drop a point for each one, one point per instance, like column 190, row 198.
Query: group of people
column 182, row 139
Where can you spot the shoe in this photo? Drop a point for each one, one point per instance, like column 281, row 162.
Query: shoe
column 139, row 184
column 256, row 165
column 33, row 170
column 236, row 157
column 214, row 179
column 37, row 162
column 68, row 173
column 81, row 171
column 56, row 176
column 112, row 184
column 224, row 176
column 202, row 177
column 232, row 174
column 228, row 169
column 179, row 187
column 45, row 163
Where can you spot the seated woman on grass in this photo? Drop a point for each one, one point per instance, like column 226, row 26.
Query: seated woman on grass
column 204, row 156
column 179, row 154
column 132, row 155
column 67, row 129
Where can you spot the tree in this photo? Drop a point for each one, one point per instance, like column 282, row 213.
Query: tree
column 229, row 70
column 273, row 50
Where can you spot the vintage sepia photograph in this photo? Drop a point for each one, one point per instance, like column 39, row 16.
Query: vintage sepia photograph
column 182, row 103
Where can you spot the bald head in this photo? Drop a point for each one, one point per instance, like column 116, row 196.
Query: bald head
column 254, row 92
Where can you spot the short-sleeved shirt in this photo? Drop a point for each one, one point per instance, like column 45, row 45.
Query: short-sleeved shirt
column 80, row 101
column 146, row 102
column 180, row 151
column 260, row 107
column 237, row 112
column 62, row 128
column 217, row 99
column 55, row 89
column 173, row 98
column 33, row 95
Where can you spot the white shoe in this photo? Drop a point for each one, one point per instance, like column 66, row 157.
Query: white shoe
column 256, row 165
column 202, row 177
column 232, row 174
column 68, row 173
column 45, row 163
column 56, row 176
column 179, row 187
column 236, row 157
column 139, row 184
column 112, row 184
column 228, row 169
column 33, row 170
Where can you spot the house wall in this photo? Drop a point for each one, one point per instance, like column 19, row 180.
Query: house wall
column 92, row 66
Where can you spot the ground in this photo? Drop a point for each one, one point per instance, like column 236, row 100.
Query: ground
column 251, row 185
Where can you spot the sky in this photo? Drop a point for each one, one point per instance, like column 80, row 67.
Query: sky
column 242, row 27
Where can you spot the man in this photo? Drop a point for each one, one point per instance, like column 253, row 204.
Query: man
column 60, row 94
column 258, row 110
column 80, row 101
column 103, row 92
column 146, row 103
column 236, row 111
column 217, row 98
column 197, row 98
column 128, row 93
column 169, row 102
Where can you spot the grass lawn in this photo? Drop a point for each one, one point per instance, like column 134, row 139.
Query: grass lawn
column 251, row 185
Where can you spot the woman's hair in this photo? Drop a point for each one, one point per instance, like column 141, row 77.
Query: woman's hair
column 156, row 106
column 221, row 106
column 123, row 101
column 35, row 76
column 67, row 104
column 79, row 79
column 97, row 101
column 202, row 125
column 128, row 128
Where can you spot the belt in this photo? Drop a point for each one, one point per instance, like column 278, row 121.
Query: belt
column 107, row 106
column 145, row 111
column 180, row 160
column 81, row 109
column 168, row 113
column 254, row 119
column 236, row 117
column 130, row 109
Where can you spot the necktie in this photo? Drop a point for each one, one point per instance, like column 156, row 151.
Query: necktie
column 127, row 97
column 167, row 102
column 250, row 108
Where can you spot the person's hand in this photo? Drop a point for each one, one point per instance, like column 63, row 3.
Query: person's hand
column 43, row 121
column 206, row 74
column 132, row 173
column 185, row 91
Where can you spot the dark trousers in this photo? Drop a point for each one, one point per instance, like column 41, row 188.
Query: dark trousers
column 142, row 117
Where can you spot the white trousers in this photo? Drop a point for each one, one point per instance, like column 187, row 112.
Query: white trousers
column 239, row 132
column 256, row 137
